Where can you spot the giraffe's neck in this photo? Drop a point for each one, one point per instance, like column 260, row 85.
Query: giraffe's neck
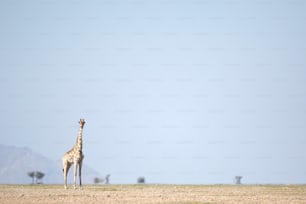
column 78, row 145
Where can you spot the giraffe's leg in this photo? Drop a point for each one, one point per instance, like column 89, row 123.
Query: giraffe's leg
column 66, row 166
column 80, row 173
column 75, row 173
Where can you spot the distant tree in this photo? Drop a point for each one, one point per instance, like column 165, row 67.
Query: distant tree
column 36, row 176
column 141, row 180
column 107, row 178
column 32, row 175
column 238, row 179
column 39, row 175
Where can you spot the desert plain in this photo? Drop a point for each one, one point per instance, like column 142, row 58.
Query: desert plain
column 148, row 193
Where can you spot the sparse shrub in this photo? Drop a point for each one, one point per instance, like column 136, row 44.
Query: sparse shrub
column 98, row 180
column 141, row 180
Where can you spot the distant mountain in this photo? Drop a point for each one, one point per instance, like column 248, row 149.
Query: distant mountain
column 16, row 162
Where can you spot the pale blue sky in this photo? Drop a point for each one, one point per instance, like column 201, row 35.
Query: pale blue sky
column 176, row 91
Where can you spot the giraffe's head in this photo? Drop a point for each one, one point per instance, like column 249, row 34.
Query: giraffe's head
column 82, row 122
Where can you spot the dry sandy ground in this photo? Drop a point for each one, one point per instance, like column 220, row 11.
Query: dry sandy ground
column 154, row 194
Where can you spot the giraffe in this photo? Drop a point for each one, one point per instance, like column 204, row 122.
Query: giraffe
column 74, row 156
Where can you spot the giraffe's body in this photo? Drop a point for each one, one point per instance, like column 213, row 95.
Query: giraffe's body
column 74, row 156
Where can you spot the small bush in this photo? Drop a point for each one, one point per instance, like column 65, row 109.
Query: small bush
column 141, row 180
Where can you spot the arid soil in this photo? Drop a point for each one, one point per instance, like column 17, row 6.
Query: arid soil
column 188, row 194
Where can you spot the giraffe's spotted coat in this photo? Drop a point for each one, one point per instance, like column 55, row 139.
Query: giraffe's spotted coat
column 74, row 156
